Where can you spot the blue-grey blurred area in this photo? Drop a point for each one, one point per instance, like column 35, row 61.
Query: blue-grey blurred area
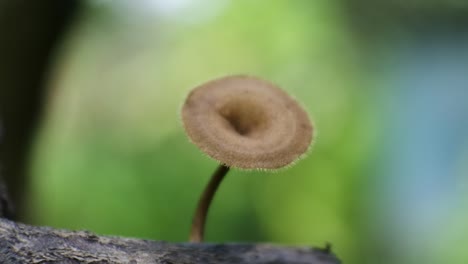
column 422, row 168
column 386, row 85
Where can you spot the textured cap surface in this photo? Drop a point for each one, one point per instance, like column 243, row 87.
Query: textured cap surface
column 246, row 122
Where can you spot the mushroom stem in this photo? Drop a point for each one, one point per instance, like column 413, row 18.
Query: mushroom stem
column 199, row 219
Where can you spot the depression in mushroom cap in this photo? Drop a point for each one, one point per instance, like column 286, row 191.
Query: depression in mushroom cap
column 246, row 122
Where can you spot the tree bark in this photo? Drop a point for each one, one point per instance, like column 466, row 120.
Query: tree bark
column 20, row 243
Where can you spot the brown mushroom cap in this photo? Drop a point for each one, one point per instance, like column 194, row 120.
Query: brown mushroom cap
column 246, row 122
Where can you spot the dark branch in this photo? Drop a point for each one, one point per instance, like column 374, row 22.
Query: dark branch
column 21, row 243
column 30, row 32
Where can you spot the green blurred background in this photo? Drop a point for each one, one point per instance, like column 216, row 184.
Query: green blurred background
column 386, row 86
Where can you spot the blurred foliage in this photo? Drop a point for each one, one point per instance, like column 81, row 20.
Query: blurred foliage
column 113, row 158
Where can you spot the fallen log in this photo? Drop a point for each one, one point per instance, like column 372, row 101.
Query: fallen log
column 20, row 243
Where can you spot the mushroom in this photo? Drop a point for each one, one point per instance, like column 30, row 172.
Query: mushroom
column 243, row 122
